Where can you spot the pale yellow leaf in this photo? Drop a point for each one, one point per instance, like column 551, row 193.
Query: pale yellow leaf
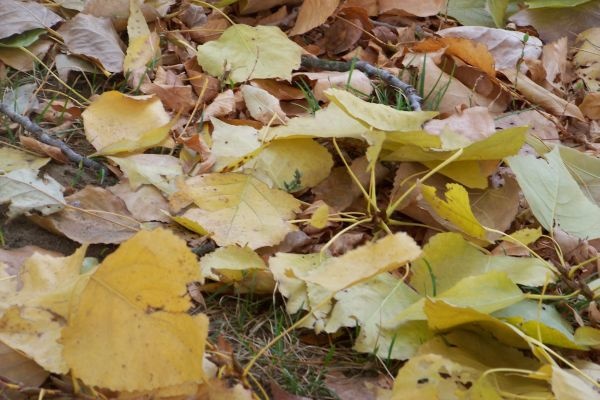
column 160, row 170
column 239, row 209
column 366, row 261
column 11, row 159
column 293, row 164
column 379, row 116
column 250, row 53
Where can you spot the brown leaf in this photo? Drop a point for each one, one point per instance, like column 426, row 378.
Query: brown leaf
column 146, row 203
column 18, row 368
column 471, row 52
column 554, row 59
column 222, row 105
column 590, row 106
column 313, row 13
column 280, row 394
column 205, row 86
column 20, row 16
column 357, row 387
column 542, row 97
column 172, row 92
column 44, row 149
column 95, row 38
column 419, row 8
column 210, row 30
column 347, row 30
column 280, row 89
column 339, row 190
column 95, row 216
column 22, row 61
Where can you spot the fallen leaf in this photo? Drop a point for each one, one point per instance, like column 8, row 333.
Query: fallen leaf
column 362, row 263
column 12, row 159
column 143, row 45
column 263, row 106
column 542, row 97
column 455, row 208
column 223, row 104
column 554, row 23
column 160, row 170
column 18, row 17
column 590, row 106
column 132, row 318
column 419, row 8
column 18, row 368
column 239, row 209
column 379, row 116
column 144, row 203
column 508, row 48
column 554, row 196
column 356, row 80
column 292, row 164
column 95, row 38
column 313, row 13
column 33, row 317
column 250, row 53
column 26, row 193
column 448, row 258
column 474, row 123
column 92, row 215
column 42, row 148
column 127, row 123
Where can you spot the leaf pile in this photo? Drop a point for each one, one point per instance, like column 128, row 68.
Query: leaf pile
column 460, row 239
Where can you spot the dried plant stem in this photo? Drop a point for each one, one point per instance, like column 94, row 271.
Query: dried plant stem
column 372, row 71
column 41, row 135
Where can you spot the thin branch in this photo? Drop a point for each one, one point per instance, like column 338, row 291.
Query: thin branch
column 41, row 135
column 372, row 71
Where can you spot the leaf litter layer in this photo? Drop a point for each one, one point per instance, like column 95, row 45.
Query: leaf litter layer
column 353, row 199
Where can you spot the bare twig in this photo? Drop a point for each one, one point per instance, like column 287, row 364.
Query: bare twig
column 372, row 71
column 42, row 136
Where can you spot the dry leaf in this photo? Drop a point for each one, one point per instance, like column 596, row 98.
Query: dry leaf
column 94, row 215
column 95, row 38
column 313, row 13
column 542, row 97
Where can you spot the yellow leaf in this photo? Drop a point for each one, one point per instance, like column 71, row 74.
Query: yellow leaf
column 239, row 209
column 248, row 52
column 379, row 116
column 455, row 209
column 320, row 217
column 160, row 170
column 143, row 45
column 240, row 266
column 231, row 143
column 131, row 329
column 293, row 164
column 501, row 144
column 330, row 122
column 485, row 293
column 366, row 261
column 524, row 236
column 125, row 122
column 312, row 14
column 11, row 159
column 35, row 314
